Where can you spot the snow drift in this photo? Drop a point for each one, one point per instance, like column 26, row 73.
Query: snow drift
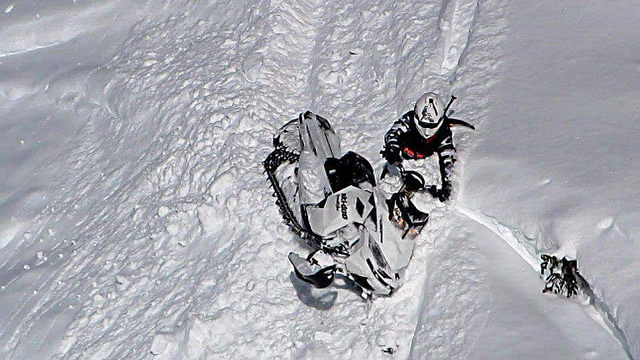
column 150, row 230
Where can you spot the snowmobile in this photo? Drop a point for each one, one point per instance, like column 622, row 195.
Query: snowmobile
column 330, row 199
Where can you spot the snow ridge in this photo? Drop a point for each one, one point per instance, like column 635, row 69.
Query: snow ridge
column 456, row 20
column 527, row 251
column 469, row 63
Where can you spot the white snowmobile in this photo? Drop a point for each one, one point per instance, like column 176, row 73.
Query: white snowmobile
column 330, row 199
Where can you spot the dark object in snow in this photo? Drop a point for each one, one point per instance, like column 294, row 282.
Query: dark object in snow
column 389, row 350
column 563, row 275
column 318, row 272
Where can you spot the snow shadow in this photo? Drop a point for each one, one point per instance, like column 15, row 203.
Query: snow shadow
column 321, row 299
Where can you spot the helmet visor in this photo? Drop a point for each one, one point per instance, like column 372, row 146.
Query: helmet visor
column 428, row 123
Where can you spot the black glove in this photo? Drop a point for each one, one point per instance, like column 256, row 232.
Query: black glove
column 442, row 194
column 445, row 192
column 392, row 154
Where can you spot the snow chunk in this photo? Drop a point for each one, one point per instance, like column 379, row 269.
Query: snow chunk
column 148, row 63
column 216, row 117
column 221, row 184
column 250, row 285
column 313, row 350
column 605, row 223
column 252, row 66
column 163, row 211
column 162, row 345
column 323, row 336
column 122, row 283
column 212, row 220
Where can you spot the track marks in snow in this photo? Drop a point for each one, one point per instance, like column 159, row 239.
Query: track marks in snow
column 456, row 20
column 142, row 167
column 527, row 253
column 160, row 253
column 599, row 311
column 450, row 320
column 476, row 31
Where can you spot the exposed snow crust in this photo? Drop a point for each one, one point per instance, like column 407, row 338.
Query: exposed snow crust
column 135, row 221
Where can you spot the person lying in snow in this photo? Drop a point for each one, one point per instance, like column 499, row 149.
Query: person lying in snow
column 420, row 133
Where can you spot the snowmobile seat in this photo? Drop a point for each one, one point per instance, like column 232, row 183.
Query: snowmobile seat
column 350, row 169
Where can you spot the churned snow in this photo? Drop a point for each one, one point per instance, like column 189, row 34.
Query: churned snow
column 135, row 221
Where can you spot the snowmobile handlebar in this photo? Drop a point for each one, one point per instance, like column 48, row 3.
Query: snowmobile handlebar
column 411, row 180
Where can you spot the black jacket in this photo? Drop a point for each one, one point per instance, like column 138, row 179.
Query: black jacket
column 404, row 137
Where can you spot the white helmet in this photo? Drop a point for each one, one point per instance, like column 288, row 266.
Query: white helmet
column 429, row 113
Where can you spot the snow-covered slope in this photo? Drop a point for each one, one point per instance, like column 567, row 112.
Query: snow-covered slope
column 150, row 231
column 558, row 162
column 48, row 49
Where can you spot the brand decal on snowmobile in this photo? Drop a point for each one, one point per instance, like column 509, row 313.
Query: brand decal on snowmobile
column 343, row 206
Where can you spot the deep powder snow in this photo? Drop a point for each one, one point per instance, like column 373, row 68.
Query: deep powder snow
column 152, row 232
